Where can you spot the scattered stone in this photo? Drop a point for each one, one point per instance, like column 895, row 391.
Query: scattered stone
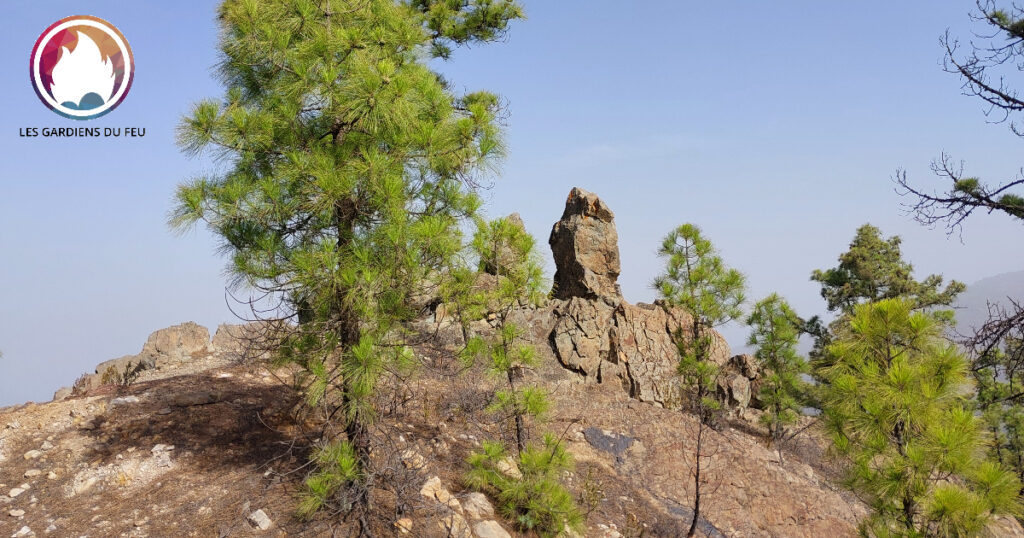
column 404, row 525
column 490, row 529
column 412, row 459
column 51, row 475
column 47, row 445
column 477, row 506
column 17, row 513
column 165, row 411
column 124, row 400
column 433, row 489
column 260, row 520
column 15, row 492
column 509, row 468
column 51, row 528
column 24, row 531
column 33, row 454
column 455, row 526
column 32, row 472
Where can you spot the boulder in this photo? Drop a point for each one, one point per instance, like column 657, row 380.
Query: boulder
column 585, row 245
column 120, row 364
column 62, row 393
column 176, row 344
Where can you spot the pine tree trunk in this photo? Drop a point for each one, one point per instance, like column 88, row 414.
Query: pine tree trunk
column 520, row 427
column 356, row 430
column 696, row 482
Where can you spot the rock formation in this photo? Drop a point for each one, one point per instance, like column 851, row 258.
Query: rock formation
column 586, row 249
column 596, row 333
column 173, row 348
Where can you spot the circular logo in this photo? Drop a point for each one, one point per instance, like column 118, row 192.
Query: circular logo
column 81, row 67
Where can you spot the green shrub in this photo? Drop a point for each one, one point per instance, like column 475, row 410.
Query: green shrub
column 535, row 501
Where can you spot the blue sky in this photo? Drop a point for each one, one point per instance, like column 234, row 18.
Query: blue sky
column 775, row 126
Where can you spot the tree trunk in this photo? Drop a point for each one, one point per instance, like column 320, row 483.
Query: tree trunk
column 520, row 427
column 696, row 482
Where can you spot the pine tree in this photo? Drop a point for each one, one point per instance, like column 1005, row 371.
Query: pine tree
column 505, row 249
column 873, row 269
column 348, row 168
column 534, row 499
column 896, row 408
column 775, row 332
column 697, row 280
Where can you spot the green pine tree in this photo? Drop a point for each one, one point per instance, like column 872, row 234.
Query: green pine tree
column 775, row 331
column 535, row 499
column 504, row 247
column 348, row 168
column 698, row 281
column 896, row 406
column 873, row 269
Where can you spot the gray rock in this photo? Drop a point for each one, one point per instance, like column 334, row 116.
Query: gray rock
column 23, row 532
column 609, row 442
column 260, row 520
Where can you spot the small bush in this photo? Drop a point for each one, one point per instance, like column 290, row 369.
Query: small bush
column 122, row 379
column 81, row 385
column 536, row 501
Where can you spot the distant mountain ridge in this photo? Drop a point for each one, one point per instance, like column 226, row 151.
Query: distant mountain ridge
column 972, row 305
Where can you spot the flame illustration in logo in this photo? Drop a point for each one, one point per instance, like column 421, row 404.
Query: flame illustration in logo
column 81, row 67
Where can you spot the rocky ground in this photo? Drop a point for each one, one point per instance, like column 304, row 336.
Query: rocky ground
column 206, row 439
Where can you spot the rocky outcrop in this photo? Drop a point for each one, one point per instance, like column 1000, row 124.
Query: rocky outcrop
column 175, row 347
column 739, row 382
column 596, row 333
column 586, row 250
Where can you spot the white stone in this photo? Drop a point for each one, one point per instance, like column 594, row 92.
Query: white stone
column 32, row 472
column 477, row 506
column 260, row 520
column 16, row 513
column 24, row 531
column 489, row 529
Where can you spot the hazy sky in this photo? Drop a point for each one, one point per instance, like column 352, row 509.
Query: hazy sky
column 776, row 126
